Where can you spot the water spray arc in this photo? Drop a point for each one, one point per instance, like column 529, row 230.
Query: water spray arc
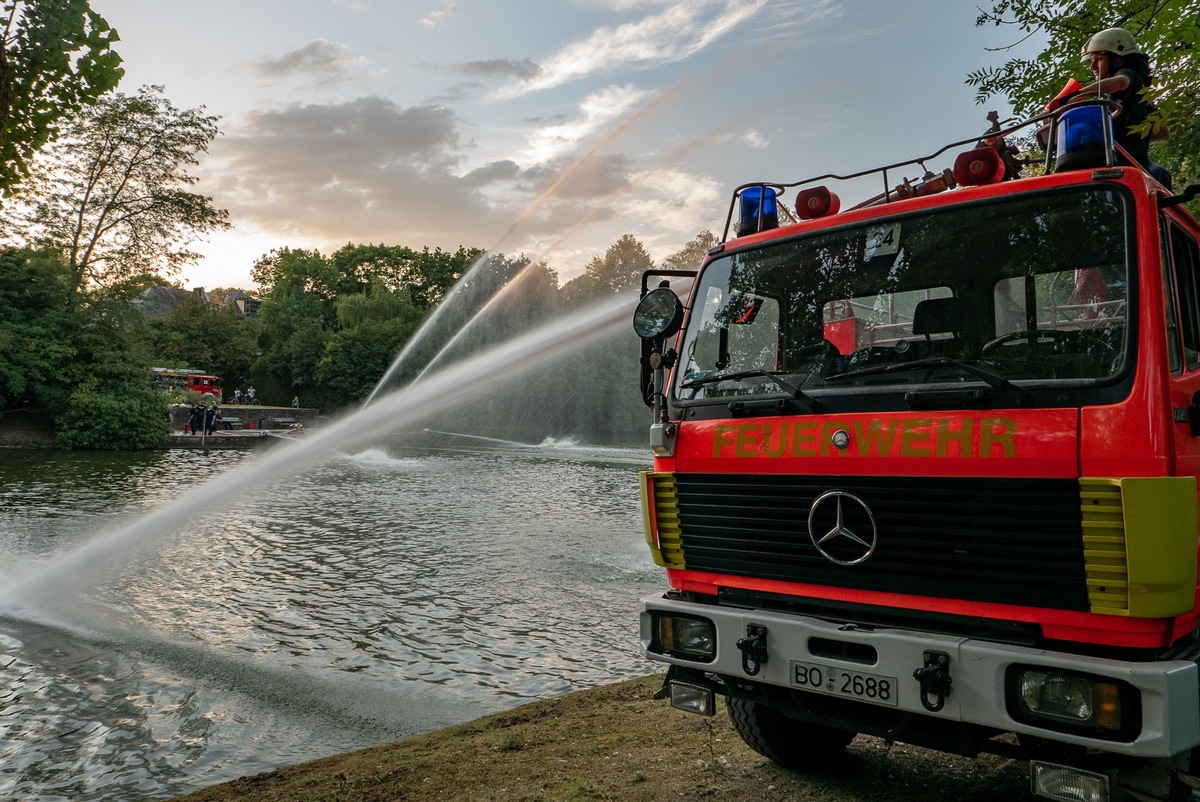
column 394, row 411
column 423, row 332
column 510, row 285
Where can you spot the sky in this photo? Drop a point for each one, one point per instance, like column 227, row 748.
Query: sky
column 547, row 128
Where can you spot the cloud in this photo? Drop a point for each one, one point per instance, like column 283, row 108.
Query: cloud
column 498, row 68
column 678, row 31
column 366, row 170
column 597, row 112
column 371, row 170
column 595, row 177
column 495, row 172
column 328, row 61
column 434, row 18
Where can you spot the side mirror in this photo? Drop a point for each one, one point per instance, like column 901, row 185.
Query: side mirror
column 659, row 314
column 1189, row 192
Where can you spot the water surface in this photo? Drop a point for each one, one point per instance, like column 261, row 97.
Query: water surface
column 372, row 596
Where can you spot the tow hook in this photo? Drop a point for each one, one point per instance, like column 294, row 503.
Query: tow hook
column 754, row 649
column 934, row 678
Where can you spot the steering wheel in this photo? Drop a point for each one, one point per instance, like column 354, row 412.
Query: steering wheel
column 1088, row 344
column 1031, row 336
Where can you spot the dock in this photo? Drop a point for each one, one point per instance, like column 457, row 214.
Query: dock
column 244, row 426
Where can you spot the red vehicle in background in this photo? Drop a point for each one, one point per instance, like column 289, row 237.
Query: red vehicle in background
column 926, row 468
column 194, row 381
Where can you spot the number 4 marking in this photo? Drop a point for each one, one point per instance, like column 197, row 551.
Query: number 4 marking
column 882, row 241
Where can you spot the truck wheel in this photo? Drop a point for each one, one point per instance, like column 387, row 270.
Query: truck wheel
column 790, row 743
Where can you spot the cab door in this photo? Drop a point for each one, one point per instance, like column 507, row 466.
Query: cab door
column 1181, row 275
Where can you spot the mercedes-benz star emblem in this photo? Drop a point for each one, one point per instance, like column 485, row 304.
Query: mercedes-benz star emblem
column 853, row 535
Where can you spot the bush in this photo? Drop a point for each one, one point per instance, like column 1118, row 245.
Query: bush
column 124, row 418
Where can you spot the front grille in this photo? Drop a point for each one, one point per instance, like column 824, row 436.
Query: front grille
column 1009, row 541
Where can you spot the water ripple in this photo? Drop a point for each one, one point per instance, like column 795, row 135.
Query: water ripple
column 373, row 596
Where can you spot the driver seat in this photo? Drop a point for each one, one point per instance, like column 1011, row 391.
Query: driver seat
column 937, row 316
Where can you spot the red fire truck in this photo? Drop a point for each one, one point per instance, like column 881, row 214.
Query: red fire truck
column 925, row 468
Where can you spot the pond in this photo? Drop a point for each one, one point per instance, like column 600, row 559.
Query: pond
column 376, row 594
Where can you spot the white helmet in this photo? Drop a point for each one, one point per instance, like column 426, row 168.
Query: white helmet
column 1112, row 40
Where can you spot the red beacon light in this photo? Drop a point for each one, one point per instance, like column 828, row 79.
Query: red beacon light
column 980, row 166
column 817, row 202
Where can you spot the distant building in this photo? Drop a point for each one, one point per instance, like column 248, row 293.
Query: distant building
column 163, row 300
column 243, row 305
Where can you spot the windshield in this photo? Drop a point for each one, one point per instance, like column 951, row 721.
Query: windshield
column 1030, row 291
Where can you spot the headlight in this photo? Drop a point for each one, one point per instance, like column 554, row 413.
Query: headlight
column 684, row 636
column 1080, row 703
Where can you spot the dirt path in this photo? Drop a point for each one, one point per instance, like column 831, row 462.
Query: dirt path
column 616, row 743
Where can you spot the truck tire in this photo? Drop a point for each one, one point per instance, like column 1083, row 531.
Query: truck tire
column 791, row 743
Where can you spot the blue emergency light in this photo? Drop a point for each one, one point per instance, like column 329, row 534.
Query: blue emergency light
column 748, row 219
column 1081, row 140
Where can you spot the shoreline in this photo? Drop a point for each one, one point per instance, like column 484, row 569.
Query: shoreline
column 616, row 743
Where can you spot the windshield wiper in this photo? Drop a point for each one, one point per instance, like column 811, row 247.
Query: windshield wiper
column 791, row 389
column 993, row 379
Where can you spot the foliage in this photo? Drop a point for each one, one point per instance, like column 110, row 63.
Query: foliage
column 425, row 276
column 55, row 58
column 355, row 358
column 314, row 307
column 114, row 418
column 206, row 336
column 498, row 299
column 297, row 317
column 1160, row 29
column 620, row 268
column 35, row 344
column 376, row 304
column 293, row 337
column 691, row 255
column 289, row 271
column 112, row 192
column 81, row 367
column 327, row 330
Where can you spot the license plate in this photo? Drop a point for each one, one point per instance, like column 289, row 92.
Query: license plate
column 859, row 685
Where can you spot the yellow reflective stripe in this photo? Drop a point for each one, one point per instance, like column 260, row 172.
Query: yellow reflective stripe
column 1104, row 559
column 660, row 518
column 1140, row 537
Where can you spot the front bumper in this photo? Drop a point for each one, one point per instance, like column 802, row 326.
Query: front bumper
column 1168, row 691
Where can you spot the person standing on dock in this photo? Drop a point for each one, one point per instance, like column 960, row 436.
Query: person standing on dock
column 196, row 419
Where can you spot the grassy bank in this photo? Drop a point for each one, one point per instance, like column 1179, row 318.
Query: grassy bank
column 615, row 743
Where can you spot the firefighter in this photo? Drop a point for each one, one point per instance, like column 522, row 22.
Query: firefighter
column 196, row 419
column 1122, row 71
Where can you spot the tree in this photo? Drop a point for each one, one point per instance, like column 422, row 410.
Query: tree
column 34, row 347
column 357, row 357
column 56, row 57
column 377, row 304
column 691, row 255
column 620, row 268
column 200, row 335
column 110, row 417
column 424, row 275
column 112, row 192
column 297, row 317
column 1164, row 29
column 295, row 270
